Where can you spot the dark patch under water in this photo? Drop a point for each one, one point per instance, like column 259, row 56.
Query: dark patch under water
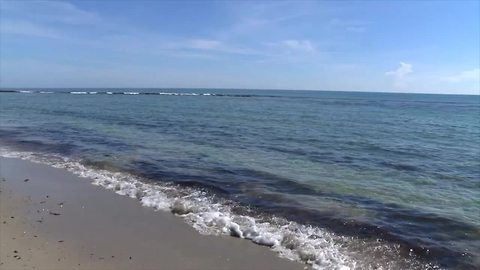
column 393, row 223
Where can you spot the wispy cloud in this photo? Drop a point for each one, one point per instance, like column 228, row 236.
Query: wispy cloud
column 400, row 75
column 205, row 44
column 208, row 46
column 290, row 46
column 141, row 43
column 46, row 19
column 299, row 45
column 27, row 28
column 49, row 12
column 259, row 16
column 213, row 46
column 467, row 75
column 53, row 19
column 354, row 26
column 249, row 24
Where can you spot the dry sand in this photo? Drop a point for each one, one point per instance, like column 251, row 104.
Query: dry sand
column 52, row 219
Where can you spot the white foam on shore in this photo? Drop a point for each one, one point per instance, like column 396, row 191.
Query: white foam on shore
column 311, row 245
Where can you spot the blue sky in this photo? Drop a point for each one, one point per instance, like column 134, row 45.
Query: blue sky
column 394, row 46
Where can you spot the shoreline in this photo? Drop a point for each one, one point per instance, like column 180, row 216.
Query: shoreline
column 57, row 220
column 194, row 211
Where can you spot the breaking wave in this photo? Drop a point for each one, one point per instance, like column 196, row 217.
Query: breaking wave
column 210, row 214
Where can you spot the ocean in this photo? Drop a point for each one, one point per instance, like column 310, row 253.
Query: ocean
column 344, row 180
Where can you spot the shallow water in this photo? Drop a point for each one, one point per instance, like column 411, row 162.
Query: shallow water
column 359, row 169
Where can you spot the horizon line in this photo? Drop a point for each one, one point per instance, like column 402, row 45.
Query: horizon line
column 261, row 89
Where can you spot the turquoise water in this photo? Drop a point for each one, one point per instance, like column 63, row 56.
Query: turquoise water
column 404, row 168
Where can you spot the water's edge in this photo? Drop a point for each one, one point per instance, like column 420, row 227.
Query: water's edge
column 211, row 214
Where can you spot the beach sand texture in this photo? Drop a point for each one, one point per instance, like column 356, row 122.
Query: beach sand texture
column 52, row 219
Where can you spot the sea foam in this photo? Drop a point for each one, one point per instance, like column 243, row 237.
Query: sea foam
column 208, row 215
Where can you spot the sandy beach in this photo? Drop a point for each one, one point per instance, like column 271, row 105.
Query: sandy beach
column 52, row 219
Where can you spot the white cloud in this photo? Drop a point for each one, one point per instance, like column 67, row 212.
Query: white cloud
column 298, row 45
column 467, row 75
column 400, row 75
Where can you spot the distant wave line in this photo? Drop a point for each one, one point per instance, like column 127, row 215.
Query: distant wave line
column 133, row 93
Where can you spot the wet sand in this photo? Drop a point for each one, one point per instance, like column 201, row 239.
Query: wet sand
column 52, row 219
